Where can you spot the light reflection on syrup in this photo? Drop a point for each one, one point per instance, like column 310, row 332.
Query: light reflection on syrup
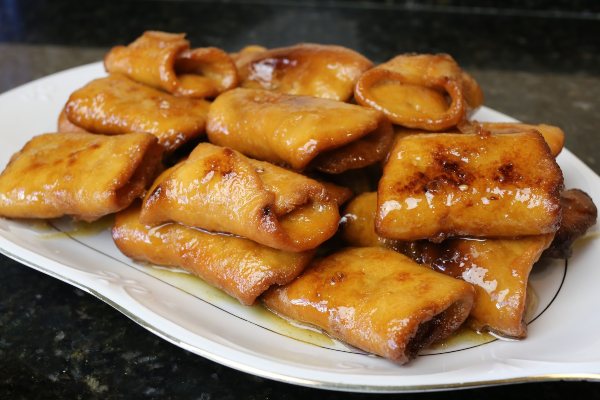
column 72, row 228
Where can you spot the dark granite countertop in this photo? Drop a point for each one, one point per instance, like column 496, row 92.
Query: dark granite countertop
column 537, row 62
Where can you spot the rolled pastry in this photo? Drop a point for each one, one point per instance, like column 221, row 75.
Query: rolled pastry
column 64, row 125
column 498, row 268
column 377, row 300
column 220, row 190
column 79, row 174
column 442, row 185
column 424, row 91
column 240, row 267
column 115, row 105
column 164, row 61
column 306, row 69
column 298, row 130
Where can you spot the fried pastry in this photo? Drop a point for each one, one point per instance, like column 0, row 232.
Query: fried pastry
column 299, row 130
column 115, row 105
column 79, row 174
column 64, row 125
column 498, row 268
column 306, row 69
column 377, row 300
column 442, row 185
column 423, row 91
column 165, row 61
column 220, row 190
column 240, row 267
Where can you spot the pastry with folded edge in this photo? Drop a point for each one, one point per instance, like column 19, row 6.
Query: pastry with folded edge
column 64, row 125
column 308, row 69
column 440, row 185
column 165, row 61
column 302, row 132
column 377, row 300
column 498, row 268
column 82, row 175
column 424, row 91
column 240, row 267
column 115, row 105
column 221, row 190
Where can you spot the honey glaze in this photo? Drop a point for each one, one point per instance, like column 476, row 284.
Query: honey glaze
column 73, row 228
column 256, row 313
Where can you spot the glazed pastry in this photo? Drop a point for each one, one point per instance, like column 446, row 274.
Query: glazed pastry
column 423, row 91
column 64, row 125
column 240, row 267
column 306, row 69
column 498, row 268
column 164, row 61
column 377, row 300
column 115, row 105
column 299, row 131
column 220, row 190
column 79, row 174
column 442, row 185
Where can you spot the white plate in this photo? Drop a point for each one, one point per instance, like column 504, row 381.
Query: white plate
column 563, row 340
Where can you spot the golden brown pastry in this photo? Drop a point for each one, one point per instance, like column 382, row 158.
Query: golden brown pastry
column 298, row 130
column 423, row 91
column 242, row 268
column 442, row 185
column 306, row 69
column 220, row 190
column 79, row 174
column 498, row 268
column 115, row 105
column 377, row 300
column 553, row 135
column 164, row 61
column 64, row 125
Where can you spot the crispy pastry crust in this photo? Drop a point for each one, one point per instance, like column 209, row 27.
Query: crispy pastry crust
column 412, row 91
column 220, row 190
column 79, row 174
column 242, row 268
column 377, row 300
column 298, row 130
column 115, row 105
column 165, row 61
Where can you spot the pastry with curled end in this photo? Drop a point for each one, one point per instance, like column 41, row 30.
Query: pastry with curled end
column 439, row 185
column 165, row 61
column 377, row 300
column 115, row 105
column 308, row 69
column 220, row 190
column 497, row 268
column 423, row 91
column 65, row 125
column 82, row 175
column 242, row 268
column 302, row 132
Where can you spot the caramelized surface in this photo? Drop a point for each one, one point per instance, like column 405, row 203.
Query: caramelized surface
column 498, row 268
column 307, row 69
column 242, row 268
column 423, row 91
column 64, row 125
column 164, row 61
column 220, row 190
column 442, row 185
column 116, row 105
column 377, row 300
column 79, row 174
column 293, row 130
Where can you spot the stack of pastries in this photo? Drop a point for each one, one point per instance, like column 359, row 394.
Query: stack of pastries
column 354, row 197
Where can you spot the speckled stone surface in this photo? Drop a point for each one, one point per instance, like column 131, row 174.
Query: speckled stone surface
column 537, row 63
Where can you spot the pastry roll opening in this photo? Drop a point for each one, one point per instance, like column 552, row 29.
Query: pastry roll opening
column 164, row 61
column 240, row 267
column 428, row 92
column 377, row 300
column 308, row 69
column 220, row 190
column 50, row 176
column 295, row 130
column 116, row 105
